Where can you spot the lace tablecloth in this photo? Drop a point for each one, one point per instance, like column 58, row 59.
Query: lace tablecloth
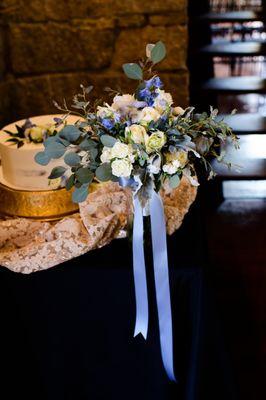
column 28, row 246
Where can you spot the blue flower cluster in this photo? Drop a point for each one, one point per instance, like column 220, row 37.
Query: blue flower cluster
column 109, row 122
column 148, row 92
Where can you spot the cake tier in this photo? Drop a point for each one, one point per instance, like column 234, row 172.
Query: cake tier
column 19, row 169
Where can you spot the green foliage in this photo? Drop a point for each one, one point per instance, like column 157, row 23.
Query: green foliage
column 72, row 159
column 42, row 158
column 104, row 172
column 108, row 141
column 71, row 133
column 57, row 172
column 174, row 181
column 158, row 52
column 80, row 194
column 133, row 71
column 84, row 175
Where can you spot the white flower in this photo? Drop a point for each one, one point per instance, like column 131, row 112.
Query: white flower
column 172, row 167
column 154, row 164
column 179, row 155
column 155, row 142
column 146, row 115
column 123, row 101
column 178, row 111
column 106, row 155
column 136, row 133
column 163, row 101
column 121, row 168
column 85, row 158
column 105, row 111
column 120, row 150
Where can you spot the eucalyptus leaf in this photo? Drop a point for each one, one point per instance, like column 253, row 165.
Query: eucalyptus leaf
column 70, row 133
column 158, row 52
column 55, row 150
column 80, row 194
column 84, row 175
column 72, row 159
column 174, row 181
column 86, row 144
column 133, row 71
column 42, row 158
column 108, row 141
column 104, row 172
column 57, row 172
column 70, row 182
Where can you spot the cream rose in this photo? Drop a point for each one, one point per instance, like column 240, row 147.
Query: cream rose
column 123, row 101
column 137, row 133
column 121, row 168
column 162, row 101
column 147, row 114
column 155, row 142
column 120, row 150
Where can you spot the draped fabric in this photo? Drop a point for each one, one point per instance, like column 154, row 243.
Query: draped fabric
column 66, row 333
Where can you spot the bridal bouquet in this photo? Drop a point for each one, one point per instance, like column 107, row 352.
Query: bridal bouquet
column 141, row 137
column 143, row 141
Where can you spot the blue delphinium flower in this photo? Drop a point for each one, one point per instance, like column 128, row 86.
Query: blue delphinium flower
column 148, row 92
column 108, row 123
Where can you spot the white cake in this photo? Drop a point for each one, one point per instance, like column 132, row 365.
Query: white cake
column 18, row 167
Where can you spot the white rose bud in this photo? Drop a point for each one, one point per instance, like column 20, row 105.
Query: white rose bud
column 136, row 133
column 170, row 168
column 149, row 48
column 162, row 101
column 155, row 142
column 121, row 168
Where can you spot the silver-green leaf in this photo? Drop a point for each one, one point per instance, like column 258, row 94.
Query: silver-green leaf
column 174, row 181
column 80, row 194
column 133, row 71
column 57, row 172
column 158, row 52
column 108, row 141
column 104, row 172
column 72, row 159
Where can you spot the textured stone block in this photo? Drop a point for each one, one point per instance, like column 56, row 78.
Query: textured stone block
column 130, row 45
column 40, row 48
column 132, row 21
column 169, row 19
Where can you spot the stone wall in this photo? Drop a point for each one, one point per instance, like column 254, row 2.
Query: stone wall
column 51, row 46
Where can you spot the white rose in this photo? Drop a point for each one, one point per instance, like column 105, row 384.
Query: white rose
column 106, row 155
column 147, row 114
column 162, row 101
column 120, row 150
column 136, row 133
column 155, row 142
column 178, row 111
column 121, row 168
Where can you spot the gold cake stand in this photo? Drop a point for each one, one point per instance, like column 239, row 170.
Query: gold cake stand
column 41, row 205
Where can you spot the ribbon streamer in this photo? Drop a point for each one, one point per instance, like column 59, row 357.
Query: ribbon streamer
column 160, row 263
column 161, row 275
column 142, row 310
